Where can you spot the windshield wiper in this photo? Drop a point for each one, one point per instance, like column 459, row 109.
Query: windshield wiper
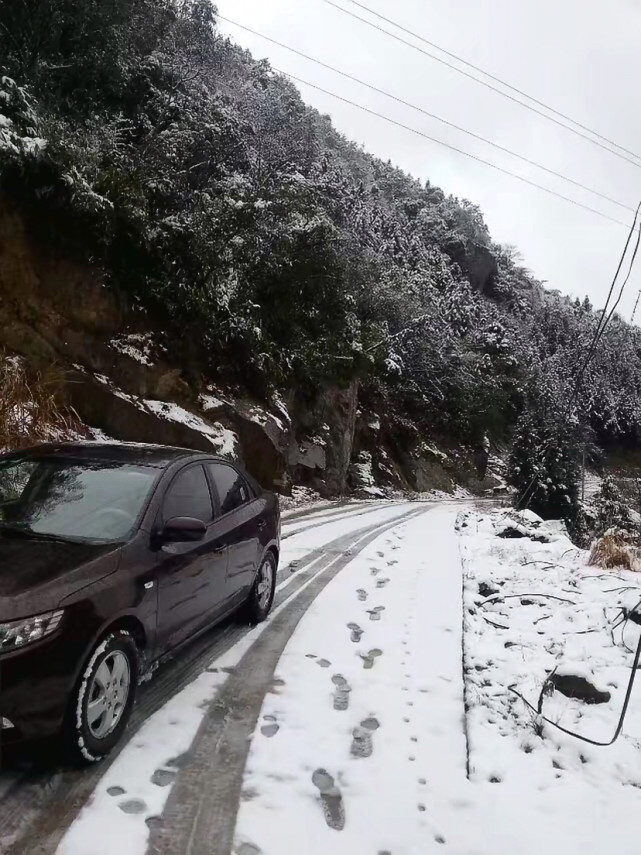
column 23, row 530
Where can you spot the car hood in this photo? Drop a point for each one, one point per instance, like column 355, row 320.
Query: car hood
column 36, row 575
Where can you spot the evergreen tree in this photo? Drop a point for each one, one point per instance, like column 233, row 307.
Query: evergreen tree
column 271, row 251
column 611, row 509
column 544, row 461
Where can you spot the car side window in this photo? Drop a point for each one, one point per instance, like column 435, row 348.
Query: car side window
column 231, row 487
column 189, row 496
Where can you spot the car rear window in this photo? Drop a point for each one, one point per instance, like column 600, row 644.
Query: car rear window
column 230, row 485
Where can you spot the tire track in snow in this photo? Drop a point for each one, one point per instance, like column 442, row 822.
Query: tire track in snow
column 200, row 814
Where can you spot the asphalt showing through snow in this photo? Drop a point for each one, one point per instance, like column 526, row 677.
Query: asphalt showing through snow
column 39, row 801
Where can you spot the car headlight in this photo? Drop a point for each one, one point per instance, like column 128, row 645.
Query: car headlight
column 17, row 633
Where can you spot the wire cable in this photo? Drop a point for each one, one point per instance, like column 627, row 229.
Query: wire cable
column 484, row 83
column 605, row 318
column 625, row 282
column 451, row 147
column 624, row 709
column 492, row 77
column 636, row 306
column 598, row 334
column 399, row 100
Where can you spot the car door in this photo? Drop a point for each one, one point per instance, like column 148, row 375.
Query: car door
column 240, row 517
column 192, row 577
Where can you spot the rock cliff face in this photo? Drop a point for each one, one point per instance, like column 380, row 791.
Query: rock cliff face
column 118, row 376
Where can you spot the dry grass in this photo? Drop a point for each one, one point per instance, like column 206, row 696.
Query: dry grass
column 29, row 408
column 615, row 549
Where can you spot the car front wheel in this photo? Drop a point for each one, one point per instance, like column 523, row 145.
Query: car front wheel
column 262, row 595
column 101, row 704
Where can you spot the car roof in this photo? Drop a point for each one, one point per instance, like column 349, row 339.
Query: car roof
column 126, row 452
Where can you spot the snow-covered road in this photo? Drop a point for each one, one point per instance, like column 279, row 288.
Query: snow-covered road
column 372, row 713
column 111, row 808
column 366, row 724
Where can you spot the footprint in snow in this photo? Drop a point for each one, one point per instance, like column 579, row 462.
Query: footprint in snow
column 116, row 791
column 270, row 730
column 370, row 658
column 356, row 632
column 276, row 685
column 163, row 777
column 324, row 663
column 392, row 563
column 380, row 554
column 362, row 742
column 331, row 799
column 133, row 806
column 361, row 594
column 247, row 849
column 381, row 583
column 375, row 613
column 341, row 693
column 374, row 571
column 248, row 794
column 180, row 761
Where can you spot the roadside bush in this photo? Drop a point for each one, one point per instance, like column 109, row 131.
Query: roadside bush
column 615, row 549
column 611, row 509
column 29, row 408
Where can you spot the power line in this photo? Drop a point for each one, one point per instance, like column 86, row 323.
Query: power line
column 625, row 281
column 452, row 147
column 605, row 316
column 604, row 320
column 493, row 77
column 483, row 83
column 399, row 100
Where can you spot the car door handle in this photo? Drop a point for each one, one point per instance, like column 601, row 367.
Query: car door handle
column 261, row 525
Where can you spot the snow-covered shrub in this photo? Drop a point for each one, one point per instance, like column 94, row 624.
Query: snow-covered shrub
column 611, row 509
column 615, row 549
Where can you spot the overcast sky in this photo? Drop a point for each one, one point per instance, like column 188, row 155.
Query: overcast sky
column 582, row 57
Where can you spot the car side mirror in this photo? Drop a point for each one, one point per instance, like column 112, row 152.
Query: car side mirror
column 183, row 530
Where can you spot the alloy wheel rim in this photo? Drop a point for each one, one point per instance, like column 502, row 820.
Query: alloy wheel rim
column 265, row 584
column 108, row 693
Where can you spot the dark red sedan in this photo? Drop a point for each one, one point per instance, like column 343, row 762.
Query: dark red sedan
column 111, row 557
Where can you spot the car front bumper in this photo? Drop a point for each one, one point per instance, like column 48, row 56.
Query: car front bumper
column 35, row 685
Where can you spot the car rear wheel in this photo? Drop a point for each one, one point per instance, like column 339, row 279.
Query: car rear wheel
column 262, row 595
column 101, row 704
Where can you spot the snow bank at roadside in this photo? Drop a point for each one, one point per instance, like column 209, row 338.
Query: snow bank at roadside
column 361, row 757
column 532, row 605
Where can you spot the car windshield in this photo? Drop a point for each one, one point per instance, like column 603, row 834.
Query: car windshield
column 72, row 499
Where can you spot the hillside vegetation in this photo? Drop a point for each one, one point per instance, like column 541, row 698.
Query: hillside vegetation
column 268, row 253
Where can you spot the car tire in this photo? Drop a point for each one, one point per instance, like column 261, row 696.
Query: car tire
column 101, row 704
column 261, row 599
